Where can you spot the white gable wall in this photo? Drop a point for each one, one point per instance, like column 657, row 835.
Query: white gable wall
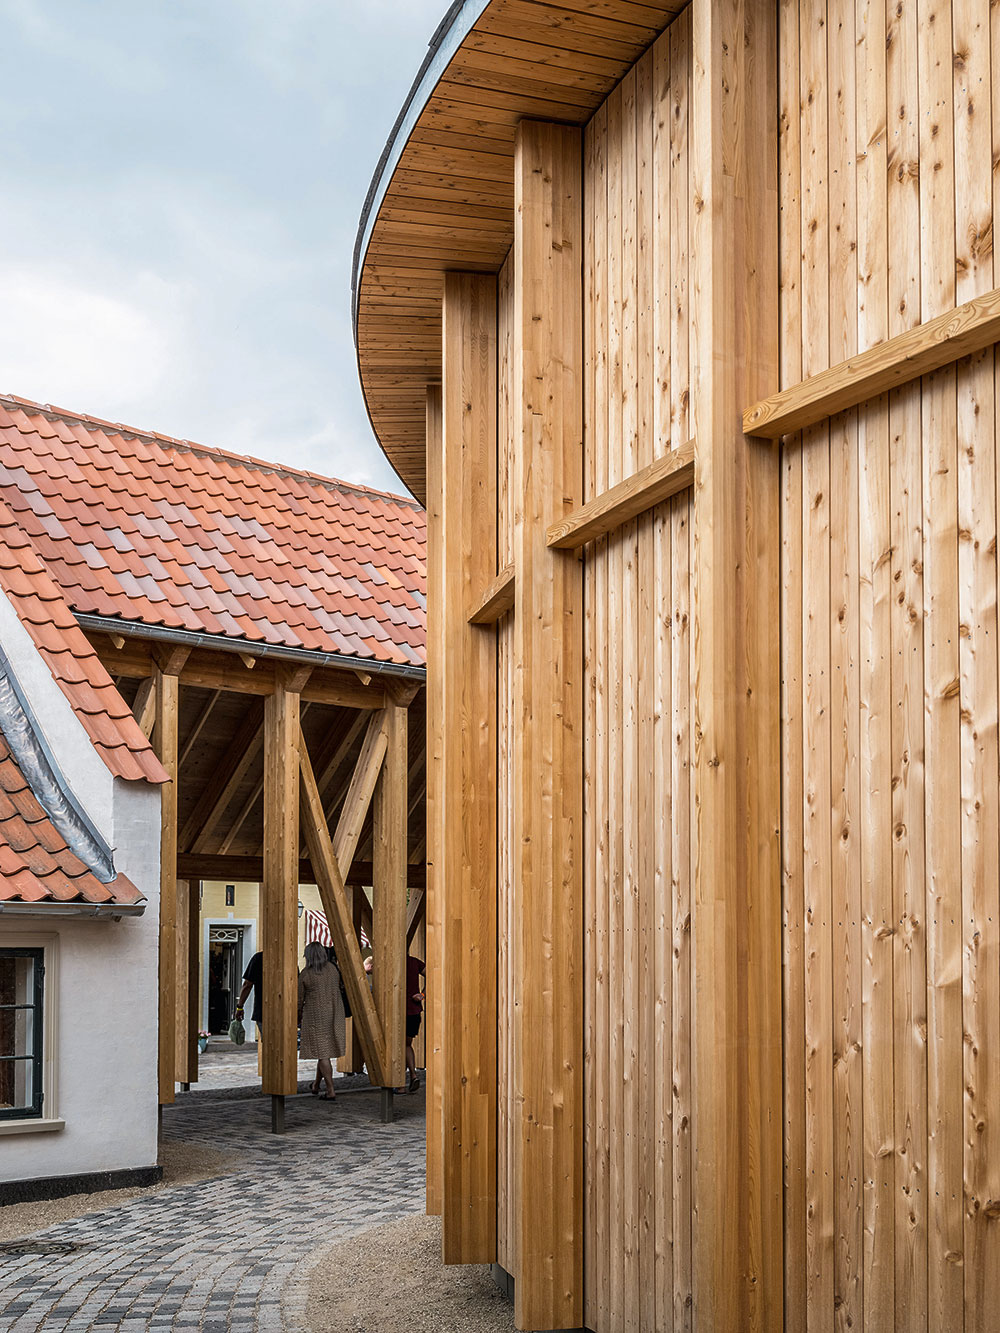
column 101, row 976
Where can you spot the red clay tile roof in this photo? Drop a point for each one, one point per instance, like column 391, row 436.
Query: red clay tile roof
column 147, row 528
column 36, row 866
column 43, row 611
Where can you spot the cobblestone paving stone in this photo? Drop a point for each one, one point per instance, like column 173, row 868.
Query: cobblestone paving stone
column 216, row 1255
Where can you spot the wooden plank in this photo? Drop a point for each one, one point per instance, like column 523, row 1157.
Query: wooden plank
column 469, row 853
column 939, row 341
column 279, row 893
column 548, row 720
column 415, row 912
column 496, row 600
column 904, row 114
column 977, row 615
column 337, row 907
column 435, row 799
column 249, row 870
column 737, row 1077
column 637, row 494
column 942, row 689
column 792, row 696
column 676, row 1292
column 167, row 693
column 876, row 1210
column 389, row 937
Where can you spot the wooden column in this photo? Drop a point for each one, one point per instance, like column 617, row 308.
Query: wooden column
column 389, row 896
column 548, row 711
column 280, row 890
column 188, row 960
column 465, row 863
column 435, row 802
column 737, row 1112
column 167, row 690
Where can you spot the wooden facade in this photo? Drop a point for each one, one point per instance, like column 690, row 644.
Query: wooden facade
column 714, row 787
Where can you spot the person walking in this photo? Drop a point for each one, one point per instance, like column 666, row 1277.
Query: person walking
column 321, row 1016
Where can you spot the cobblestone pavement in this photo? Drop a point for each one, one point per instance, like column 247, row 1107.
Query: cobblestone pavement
column 216, row 1255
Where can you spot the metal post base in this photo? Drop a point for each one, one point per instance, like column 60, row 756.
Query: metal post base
column 388, row 1112
column 277, row 1115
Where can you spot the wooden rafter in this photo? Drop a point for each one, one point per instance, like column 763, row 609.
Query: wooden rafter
column 225, row 780
column 243, row 814
column 144, row 708
column 199, row 725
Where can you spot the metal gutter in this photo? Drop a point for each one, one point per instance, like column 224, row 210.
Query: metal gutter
column 99, row 911
column 449, row 35
column 220, row 643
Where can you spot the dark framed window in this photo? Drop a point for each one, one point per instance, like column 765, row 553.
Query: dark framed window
column 230, row 895
column 22, row 979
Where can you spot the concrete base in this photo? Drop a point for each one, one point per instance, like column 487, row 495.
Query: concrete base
column 60, row 1187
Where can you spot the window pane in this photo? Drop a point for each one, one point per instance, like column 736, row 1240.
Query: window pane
column 20, row 1026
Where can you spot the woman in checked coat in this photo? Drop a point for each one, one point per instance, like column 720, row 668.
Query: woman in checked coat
column 321, row 1016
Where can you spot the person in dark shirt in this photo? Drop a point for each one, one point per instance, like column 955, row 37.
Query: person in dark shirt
column 253, row 980
column 415, row 969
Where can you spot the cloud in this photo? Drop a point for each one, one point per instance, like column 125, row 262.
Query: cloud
column 89, row 350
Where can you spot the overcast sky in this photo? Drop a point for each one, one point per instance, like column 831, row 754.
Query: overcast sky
column 183, row 186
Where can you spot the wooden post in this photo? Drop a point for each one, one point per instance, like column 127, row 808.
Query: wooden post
column 280, row 891
column 167, row 690
column 389, row 896
column 435, row 803
column 186, row 1014
column 736, row 927
column 465, row 861
column 548, row 711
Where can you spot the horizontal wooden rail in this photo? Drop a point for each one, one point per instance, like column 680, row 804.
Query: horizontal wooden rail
column 496, row 601
column 666, row 476
column 250, row 870
column 957, row 333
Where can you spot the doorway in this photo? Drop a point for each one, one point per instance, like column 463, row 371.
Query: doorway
column 225, row 973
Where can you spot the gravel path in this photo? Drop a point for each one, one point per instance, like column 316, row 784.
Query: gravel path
column 216, row 1255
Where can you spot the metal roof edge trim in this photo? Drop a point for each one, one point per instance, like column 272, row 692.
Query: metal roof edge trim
column 99, row 911
column 137, row 629
column 449, row 35
column 42, row 772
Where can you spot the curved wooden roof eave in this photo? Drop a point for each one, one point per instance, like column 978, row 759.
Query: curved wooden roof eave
column 442, row 196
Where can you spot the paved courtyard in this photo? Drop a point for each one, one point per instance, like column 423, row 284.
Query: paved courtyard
column 219, row 1254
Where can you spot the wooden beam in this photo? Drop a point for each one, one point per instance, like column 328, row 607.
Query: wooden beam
column 250, row 870
column 359, row 793
column 665, row 476
column 495, row 600
column 170, row 658
column 337, row 907
column 736, row 907
column 280, row 892
column 466, row 860
column 335, row 751
column 389, row 896
column 938, row 342
column 144, row 708
column 547, row 646
column 167, row 691
column 211, row 669
column 188, row 968
column 434, row 745
column 225, row 781
column 254, row 795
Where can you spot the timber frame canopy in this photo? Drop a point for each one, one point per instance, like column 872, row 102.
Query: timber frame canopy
column 263, row 628
column 443, row 193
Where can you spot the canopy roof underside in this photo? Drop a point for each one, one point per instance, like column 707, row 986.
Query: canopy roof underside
column 443, row 194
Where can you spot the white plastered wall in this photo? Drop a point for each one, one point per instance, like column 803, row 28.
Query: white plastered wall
column 101, row 986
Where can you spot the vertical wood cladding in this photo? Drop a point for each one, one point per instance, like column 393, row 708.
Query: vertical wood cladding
column 889, row 661
column 638, row 753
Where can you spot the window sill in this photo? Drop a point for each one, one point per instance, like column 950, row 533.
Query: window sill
column 33, row 1126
